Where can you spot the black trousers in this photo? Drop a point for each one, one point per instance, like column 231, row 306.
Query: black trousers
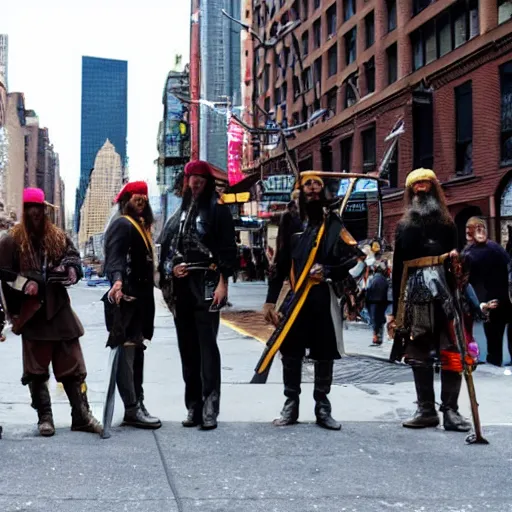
column 494, row 331
column 197, row 331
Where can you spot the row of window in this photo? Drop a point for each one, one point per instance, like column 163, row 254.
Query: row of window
column 423, row 132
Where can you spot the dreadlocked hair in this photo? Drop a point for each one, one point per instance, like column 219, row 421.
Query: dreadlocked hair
column 53, row 243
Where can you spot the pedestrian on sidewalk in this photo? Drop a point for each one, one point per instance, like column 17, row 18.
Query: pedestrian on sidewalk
column 488, row 274
column 423, row 300
column 377, row 300
column 130, row 267
column 198, row 257
column 316, row 255
column 45, row 262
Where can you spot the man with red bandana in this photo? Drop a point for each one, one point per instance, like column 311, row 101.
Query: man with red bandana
column 129, row 266
column 198, row 255
column 423, row 300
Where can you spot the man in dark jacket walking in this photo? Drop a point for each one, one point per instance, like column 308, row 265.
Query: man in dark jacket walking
column 488, row 274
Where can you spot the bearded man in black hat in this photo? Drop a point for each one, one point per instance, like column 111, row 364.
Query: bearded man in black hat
column 323, row 251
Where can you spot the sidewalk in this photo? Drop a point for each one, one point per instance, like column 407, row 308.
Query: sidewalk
column 247, row 465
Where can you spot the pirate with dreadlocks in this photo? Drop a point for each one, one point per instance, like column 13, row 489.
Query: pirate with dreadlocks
column 44, row 262
column 323, row 252
column 423, row 308
column 129, row 266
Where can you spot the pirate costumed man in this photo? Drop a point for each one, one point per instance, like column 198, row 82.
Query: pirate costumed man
column 130, row 268
column 198, row 255
column 323, row 251
column 423, row 307
column 44, row 262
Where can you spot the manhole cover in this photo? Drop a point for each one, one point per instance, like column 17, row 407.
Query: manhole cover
column 364, row 370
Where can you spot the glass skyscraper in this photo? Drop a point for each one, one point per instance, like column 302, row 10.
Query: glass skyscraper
column 104, row 116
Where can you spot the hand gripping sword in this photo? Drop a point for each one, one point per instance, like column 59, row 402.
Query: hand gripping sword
column 476, row 437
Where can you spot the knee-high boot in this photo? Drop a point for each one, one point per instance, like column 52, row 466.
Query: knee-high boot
column 81, row 416
column 292, row 376
column 138, row 379
column 323, row 381
column 133, row 415
column 42, row 403
column 426, row 414
column 450, row 390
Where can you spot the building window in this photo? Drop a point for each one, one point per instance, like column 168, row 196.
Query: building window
column 423, row 129
column 350, row 46
column 267, row 105
column 369, row 70
column 504, row 10
column 419, row 5
column 369, row 149
column 305, row 8
column 332, row 98
column 391, row 5
column 284, row 92
column 317, row 67
column 266, row 78
column 392, row 56
column 307, row 79
column 331, row 20
column 346, row 154
column 464, row 128
column 317, row 34
column 296, row 87
column 451, row 29
column 296, row 9
column 316, row 4
column 295, row 119
column 305, row 43
column 277, row 96
column 351, row 91
column 506, row 114
column 369, row 25
column 349, row 9
column 332, row 59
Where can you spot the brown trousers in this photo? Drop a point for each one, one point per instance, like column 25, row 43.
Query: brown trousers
column 65, row 356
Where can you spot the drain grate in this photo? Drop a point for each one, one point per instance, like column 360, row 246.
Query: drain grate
column 363, row 370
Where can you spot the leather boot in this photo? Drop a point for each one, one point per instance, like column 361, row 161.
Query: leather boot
column 41, row 402
column 134, row 417
column 82, row 419
column 323, row 381
column 450, row 390
column 194, row 416
column 426, row 414
column 292, row 376
column 138, row 379
column 210, row 411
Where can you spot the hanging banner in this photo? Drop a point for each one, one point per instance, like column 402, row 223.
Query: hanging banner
column 235, row 147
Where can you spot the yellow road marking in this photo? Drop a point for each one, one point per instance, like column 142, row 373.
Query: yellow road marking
column 242, row 331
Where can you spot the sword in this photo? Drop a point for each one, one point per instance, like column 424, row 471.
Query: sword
column 108, row 407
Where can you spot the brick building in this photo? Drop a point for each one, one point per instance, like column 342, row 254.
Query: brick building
column 443, row 67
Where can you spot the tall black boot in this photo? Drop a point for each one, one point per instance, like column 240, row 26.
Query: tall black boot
column 211, row 411
column 41, row 402
column 426, row 414
column 323, row 381
column 133, row 415
column 82, row 419
column 138, row 379
column 450, row 390
column 292, row 376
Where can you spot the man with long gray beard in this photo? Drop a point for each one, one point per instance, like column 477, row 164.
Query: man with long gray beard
column 423, row 301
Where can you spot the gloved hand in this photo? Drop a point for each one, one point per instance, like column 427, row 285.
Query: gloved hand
column 270, row 314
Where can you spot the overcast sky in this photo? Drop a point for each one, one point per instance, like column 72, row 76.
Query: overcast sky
column 46, row 43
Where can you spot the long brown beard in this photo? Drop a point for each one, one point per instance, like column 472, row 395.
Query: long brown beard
column 51, row 240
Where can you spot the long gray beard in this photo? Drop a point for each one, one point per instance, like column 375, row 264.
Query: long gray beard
column 425, row 205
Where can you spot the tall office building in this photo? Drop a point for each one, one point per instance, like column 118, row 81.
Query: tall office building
column 220, row 75
column 4, row 60
column 104, row 116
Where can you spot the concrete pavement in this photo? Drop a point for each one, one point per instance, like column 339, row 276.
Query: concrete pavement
column 247, row 465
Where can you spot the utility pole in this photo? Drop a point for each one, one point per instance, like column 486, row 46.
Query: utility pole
column 195, row 77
